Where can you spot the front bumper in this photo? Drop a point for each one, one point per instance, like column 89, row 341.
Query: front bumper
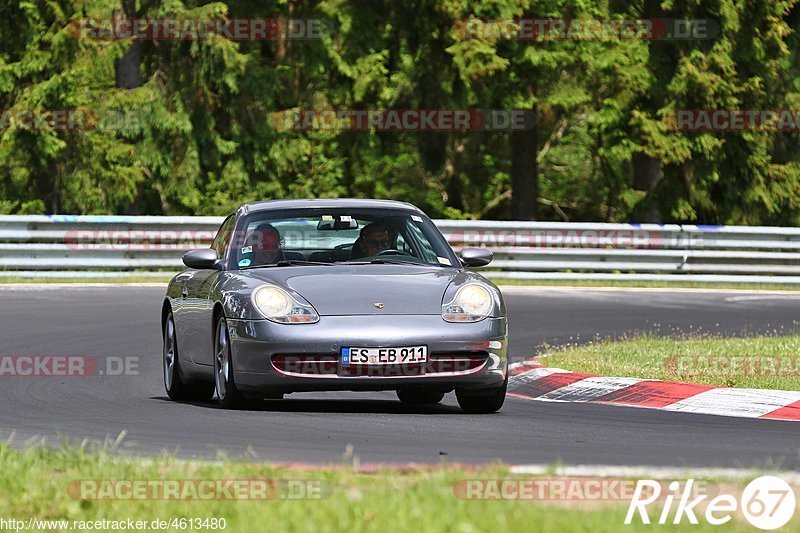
column 254, row 344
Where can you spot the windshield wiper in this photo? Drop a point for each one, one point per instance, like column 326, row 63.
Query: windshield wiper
column 287, row 262
column 385, row 261
column 301, row 262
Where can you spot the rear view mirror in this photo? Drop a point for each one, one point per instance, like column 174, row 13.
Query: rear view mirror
column 476, row 257
column 202, row 259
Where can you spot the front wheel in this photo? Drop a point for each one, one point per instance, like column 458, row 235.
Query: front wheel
column 484, row 401
column 178, row 387
column 228, row 394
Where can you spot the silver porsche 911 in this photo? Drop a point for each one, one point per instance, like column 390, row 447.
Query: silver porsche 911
column 322, row 295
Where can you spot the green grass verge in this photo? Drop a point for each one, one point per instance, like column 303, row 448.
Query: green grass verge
column 644, row 284
column 34, row 483
column 763, row 362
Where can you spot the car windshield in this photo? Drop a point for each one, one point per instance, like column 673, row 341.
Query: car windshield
column 329, row 236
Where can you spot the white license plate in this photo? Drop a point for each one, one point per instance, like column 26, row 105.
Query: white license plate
column 384, row 356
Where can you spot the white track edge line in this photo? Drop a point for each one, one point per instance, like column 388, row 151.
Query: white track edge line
column 654, row 472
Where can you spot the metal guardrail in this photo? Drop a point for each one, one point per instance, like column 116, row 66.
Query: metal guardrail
column 99, row 246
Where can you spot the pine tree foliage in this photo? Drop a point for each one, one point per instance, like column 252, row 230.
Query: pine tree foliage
column 197, row 126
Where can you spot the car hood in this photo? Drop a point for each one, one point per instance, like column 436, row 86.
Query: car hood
column 356, row 289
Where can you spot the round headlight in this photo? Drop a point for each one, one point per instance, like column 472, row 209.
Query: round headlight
column 272, row 301
column 278, row 305
column 474, row 300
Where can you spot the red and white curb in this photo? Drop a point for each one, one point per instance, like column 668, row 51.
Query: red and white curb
column 533, row 382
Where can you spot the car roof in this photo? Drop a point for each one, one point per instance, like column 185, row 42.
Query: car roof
column 353, row 203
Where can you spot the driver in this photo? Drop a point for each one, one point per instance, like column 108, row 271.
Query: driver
column 374, row 239
column 264, row 243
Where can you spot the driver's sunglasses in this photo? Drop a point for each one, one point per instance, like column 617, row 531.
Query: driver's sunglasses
column 378, row 241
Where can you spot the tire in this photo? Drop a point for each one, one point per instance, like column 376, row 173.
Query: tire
column 419, row 396
column 229, row 396
column 482, row 402
column 177, row 386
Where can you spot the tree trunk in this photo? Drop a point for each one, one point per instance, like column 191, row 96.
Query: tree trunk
column 524, row 172
column 126, row 67
column 647, row 173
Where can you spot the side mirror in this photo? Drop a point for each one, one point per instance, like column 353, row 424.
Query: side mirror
column 476, row 257
column 202, row 259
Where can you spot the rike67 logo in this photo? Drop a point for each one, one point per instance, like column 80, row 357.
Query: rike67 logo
column 767, row 502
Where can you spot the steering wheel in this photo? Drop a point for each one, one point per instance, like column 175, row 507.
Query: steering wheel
column 393, row 251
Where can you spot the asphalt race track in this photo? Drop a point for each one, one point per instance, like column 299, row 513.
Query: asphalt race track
column 124, row 322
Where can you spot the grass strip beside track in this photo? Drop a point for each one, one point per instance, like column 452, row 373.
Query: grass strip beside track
column 760, row 362
column 35, row 482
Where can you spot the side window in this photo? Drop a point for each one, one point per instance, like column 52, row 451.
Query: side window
column 223, row 238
